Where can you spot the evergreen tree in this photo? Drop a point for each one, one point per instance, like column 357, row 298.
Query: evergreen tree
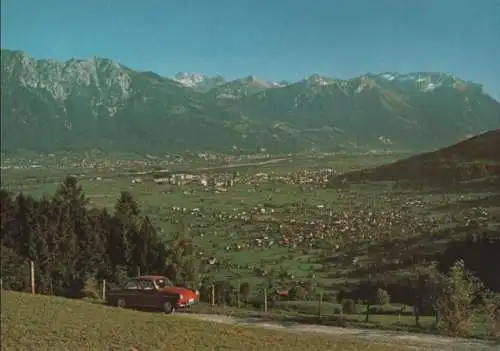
column 125, row 229
column 7, row 219
column 40, row 251
column 183, row 267
column 72, row 244
column 22, row 238
column 100, row 221
column 148, row 249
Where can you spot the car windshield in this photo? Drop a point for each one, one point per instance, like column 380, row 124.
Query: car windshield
column 163, row 282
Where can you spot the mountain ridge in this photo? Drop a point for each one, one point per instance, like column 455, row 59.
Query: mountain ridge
column 189, row 79
column 470, row 159
column 78, row 104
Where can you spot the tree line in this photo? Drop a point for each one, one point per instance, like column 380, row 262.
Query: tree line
column 459, row 286
column 71, row 243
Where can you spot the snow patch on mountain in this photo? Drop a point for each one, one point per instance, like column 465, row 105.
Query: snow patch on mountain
column 430, row 87
column 190, row 79
column 423, row 81
column 279, row 84
column 388, row 76
column 318, row 80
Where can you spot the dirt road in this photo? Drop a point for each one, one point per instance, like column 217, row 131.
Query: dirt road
column 411, row 341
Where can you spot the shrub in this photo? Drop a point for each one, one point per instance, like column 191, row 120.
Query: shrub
column 15, row 273
column 341, row 295
column 91, row 289
column 224, row 293
column 455, row 303
column 298, row 292
column 382, row 297
column 205, row 290
column 256, row 303
column 491, row 310
column 329, row 298
column 349, row 306
column 245, row 290
column 120, row 275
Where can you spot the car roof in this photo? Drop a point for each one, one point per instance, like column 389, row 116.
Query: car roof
column 150, row 277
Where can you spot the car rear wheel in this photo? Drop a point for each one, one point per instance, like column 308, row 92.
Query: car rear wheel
column 168, row 308
column 121, row 303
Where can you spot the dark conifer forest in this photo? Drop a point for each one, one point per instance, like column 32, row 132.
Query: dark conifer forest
column 70, row 243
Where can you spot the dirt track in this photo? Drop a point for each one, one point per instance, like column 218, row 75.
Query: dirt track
column 411, row 341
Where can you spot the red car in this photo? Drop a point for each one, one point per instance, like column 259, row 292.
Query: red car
column 150, row 291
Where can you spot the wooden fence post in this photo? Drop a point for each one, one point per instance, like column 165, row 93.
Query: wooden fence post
column 32, row 269
column 213, row 295
column 104, row 290
column 320, row 302
column 265, row 300
column 238, row 294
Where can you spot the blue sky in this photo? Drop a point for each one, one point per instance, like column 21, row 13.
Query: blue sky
column 274, row 39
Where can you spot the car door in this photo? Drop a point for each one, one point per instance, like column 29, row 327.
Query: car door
column 130, row 293
column 147, row 294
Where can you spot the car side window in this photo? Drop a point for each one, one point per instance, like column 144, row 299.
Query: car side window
column 146, row 285
column 132, row 285
column 163, row 282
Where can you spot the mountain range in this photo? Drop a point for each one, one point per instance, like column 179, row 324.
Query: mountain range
column 97, row 103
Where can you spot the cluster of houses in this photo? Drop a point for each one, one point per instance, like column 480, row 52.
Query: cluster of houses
column 312, row 226
column 221, row 181
column 298, row 225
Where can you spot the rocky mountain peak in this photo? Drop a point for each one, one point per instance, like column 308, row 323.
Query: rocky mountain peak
column 62, row 79
column 96, row 102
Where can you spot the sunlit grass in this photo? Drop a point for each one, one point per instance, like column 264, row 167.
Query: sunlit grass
column 51, row 323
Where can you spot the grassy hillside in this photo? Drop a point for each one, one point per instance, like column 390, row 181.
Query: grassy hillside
column 49, row 323
column 471, row 159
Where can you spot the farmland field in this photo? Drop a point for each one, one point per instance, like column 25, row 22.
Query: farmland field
column 275, row 221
